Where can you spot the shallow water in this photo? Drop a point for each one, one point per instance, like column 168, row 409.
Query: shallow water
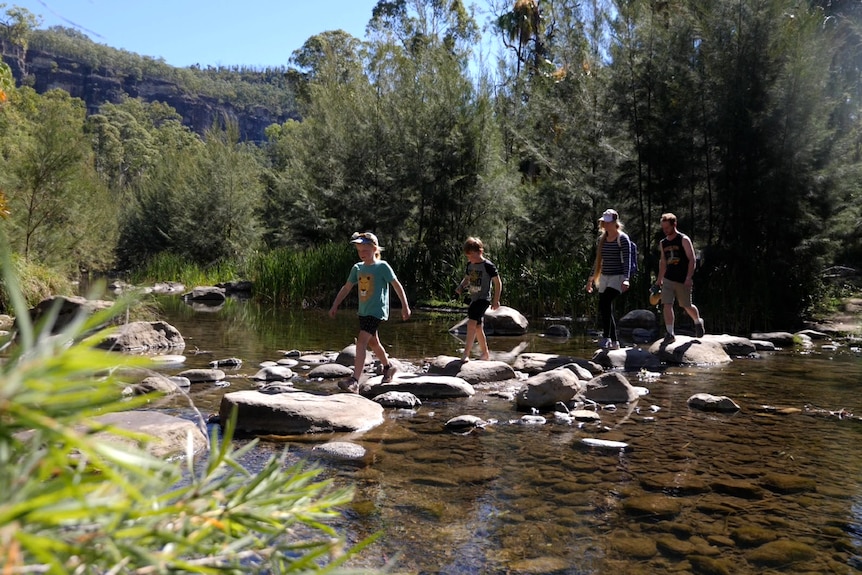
column 750, row 492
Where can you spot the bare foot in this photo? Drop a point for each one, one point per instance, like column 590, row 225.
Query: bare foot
column 485, row 358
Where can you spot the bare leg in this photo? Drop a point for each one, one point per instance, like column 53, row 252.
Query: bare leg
column 378, row 350
column 669, row 318
column 471, row 338
column 694, row 313
column 485, row 353
column 361, row 349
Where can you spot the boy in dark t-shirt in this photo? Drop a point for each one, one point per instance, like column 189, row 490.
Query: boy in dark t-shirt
column 479, row 277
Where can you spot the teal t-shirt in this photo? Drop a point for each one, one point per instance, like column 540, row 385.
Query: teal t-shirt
column 373, row 283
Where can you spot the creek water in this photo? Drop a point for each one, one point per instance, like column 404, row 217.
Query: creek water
column 750, row 492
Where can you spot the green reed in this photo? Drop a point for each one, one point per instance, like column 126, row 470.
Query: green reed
column 170, row 267
column 536, row 284
column 302, row 278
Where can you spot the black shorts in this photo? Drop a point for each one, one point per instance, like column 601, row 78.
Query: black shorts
column 369, row 324
column 477, row 310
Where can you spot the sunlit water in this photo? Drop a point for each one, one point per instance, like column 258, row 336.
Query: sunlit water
column 750, row 492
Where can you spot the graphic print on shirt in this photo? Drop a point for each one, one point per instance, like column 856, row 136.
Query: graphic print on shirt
column 366, row 286
column 672, row 254
column 475, row 279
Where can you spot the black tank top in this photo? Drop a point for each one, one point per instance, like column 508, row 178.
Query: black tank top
column 676, row 259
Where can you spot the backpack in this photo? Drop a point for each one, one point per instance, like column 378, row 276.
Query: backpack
column 633, row 252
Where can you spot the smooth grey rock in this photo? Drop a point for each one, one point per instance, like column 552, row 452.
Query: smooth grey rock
column 208, row 294
column 763, row 345
column 605, row 444
column 424, row 386
column 779, row 338
column 202, row 375
column 152, row 384
column 340, row 450
column 546, row 389
column 273, row 373
column 733, row 344
column 478, row 371
column 627, row 359
column 610, row 387
column 502, row 321
column 227, row 362
column 685, row 350
column 331, row 371
column 709, row 402
column 300, row 412
column 465, row 422
column 399, row 399
column 142, row 336
column 533, row 363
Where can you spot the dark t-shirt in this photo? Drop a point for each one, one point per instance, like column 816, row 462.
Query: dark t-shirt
column 676, row 260
column 479, row 279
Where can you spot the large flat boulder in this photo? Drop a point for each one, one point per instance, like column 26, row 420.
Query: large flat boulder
column 686, row 350
column 422, row 385
column 300, row 412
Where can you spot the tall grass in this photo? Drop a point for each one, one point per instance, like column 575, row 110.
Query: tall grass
column 35, row 282
column 537, row 284
column 307, row 278
column 170, row 267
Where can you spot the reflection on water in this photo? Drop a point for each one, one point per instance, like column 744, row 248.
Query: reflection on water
column 751, row 492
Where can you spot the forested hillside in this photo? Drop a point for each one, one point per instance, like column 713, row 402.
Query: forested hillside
column 740, row 116
column 63, row 58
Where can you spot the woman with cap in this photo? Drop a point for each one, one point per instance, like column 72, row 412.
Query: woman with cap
column 610, row 273
column 374, row 276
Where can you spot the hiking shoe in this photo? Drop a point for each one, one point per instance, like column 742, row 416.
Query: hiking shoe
column 605, row 343
column 669, row 338
column 388, row 373
column 350, row 385
column 699, row 329
column 614, row 345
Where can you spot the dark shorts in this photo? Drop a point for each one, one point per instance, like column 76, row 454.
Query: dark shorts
column 369, row 324
column 477, row 310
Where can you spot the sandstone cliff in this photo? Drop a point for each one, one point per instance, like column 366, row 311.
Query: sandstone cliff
column 99, row 85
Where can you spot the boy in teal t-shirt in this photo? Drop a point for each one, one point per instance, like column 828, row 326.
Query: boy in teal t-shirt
column 373, row 276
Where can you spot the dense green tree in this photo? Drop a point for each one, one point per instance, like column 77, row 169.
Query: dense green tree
column 60, row 212
column 16, row 26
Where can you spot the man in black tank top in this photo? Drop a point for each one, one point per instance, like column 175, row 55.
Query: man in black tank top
column 675, row 272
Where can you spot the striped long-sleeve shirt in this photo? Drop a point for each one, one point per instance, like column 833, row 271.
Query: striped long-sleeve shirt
column 616, row 256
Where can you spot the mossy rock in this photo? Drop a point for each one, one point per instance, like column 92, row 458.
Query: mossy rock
column 780, row 553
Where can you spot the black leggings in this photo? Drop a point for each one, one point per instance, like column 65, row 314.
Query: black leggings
column 606, row 309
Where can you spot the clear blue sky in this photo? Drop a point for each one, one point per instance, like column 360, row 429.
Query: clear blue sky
column 254, row 33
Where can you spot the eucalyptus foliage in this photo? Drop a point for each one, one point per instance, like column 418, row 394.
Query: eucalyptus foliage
column 72, row 501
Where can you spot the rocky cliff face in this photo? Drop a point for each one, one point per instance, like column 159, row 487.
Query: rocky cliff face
column 96, row 86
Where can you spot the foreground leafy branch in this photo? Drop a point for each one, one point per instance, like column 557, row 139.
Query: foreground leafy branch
column 72, row 501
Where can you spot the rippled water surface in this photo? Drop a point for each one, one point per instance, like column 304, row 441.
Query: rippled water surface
column 751, row 492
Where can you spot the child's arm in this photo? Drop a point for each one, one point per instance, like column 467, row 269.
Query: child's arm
column 342, row 293
column 498, row 289
column 462, row 285
column 405, row 307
